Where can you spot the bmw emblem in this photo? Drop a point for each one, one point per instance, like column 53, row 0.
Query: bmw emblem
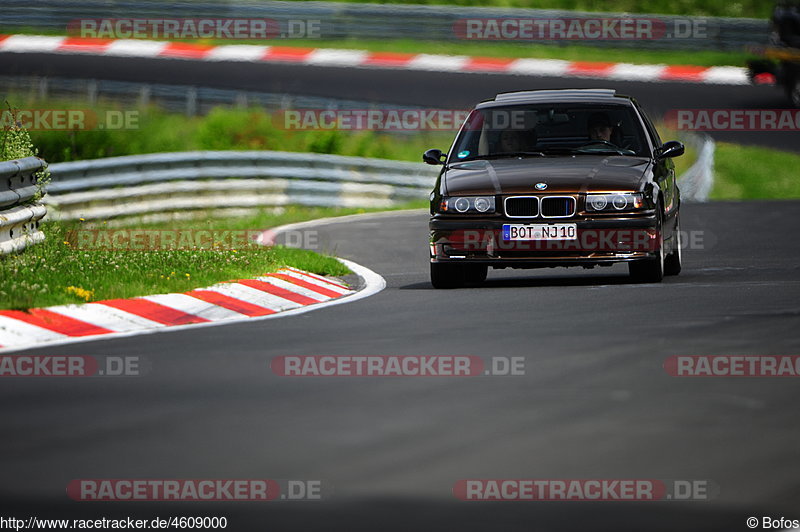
column 541, row 186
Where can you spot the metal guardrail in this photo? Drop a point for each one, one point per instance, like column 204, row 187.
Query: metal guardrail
column 369, row 21
column 18, row 180
column 19, row 227
column 219, row 180
column 19, row 224
column 229, row 181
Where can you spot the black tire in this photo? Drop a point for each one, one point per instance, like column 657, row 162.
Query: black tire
column 672, row 262
column 446, row 275
column 475, row 274
column 651, row 270
column 794, row 91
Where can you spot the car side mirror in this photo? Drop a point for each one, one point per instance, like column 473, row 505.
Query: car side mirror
column 433, row 156
column 673, row 148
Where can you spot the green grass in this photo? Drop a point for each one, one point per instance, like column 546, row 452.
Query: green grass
column 222, row 129
column 58, row 271
column 511, row 50
column 749, row 172
column 744, row 172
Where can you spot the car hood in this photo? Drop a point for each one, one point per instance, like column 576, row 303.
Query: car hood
column 581, row 173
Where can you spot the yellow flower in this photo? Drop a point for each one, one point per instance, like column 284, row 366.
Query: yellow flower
column 82, row 293
column 187, row 275
column 66, row 243
column 82, row 219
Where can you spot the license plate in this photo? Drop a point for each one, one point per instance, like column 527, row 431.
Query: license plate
column 540, row 232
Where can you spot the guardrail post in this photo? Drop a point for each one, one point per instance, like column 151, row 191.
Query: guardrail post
column 91, row 91
column 144, row 95
column 191, row 101
column 42, row 88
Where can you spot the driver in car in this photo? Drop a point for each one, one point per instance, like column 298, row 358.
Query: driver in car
column 600, row 127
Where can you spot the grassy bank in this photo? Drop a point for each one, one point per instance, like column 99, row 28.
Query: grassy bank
column 222, row 129
column 749, row 172
column 64, row 269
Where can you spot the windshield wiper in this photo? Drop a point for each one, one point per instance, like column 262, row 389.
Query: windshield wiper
column 505, row 155
column 559, row 150
column 604, row 151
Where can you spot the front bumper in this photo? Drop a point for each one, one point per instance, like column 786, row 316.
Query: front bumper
column 599, row 241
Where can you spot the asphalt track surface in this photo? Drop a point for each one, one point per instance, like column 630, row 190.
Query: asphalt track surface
column 403, row 87
column 595, row 401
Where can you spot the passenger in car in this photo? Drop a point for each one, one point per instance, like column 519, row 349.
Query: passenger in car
column 514, row 141
column 510, row 141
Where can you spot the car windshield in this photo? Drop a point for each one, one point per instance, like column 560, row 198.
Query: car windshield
column 547, row 129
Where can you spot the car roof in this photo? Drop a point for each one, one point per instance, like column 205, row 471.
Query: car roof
column 606, row 96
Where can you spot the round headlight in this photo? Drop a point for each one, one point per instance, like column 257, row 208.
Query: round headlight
column 462, row 204
column 482, row 205
column 619, row 202
column 598, row 203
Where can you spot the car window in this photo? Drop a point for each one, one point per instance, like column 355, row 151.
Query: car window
column 550, row 130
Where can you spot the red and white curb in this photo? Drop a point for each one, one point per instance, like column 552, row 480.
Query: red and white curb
column 722, row 75
column 287, row 292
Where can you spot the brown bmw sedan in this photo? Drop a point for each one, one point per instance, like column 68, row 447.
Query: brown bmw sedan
column 575, row 177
